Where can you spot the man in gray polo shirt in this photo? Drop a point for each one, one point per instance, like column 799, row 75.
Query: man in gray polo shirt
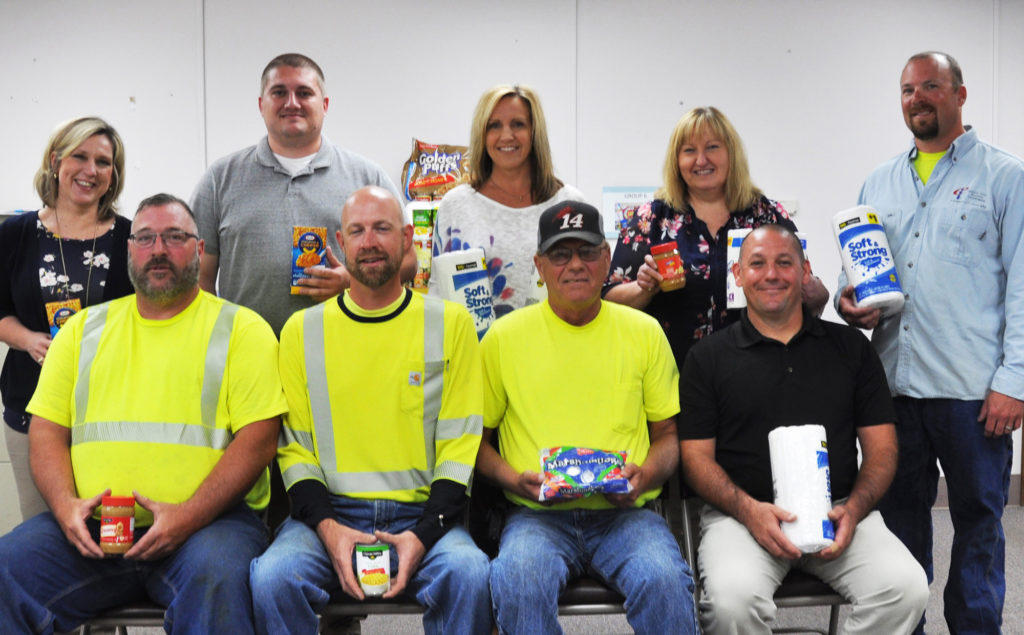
column 248, row 203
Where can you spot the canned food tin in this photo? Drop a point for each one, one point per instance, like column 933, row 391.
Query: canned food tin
column 373, row 568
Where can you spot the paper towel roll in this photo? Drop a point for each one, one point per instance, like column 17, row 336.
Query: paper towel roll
column 867, row 259
column 462, row 278
column 799, row 457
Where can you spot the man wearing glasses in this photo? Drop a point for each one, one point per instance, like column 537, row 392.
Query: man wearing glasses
column 580, row 372
column 172, row 396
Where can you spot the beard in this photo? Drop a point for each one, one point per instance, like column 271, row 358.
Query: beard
column 924, row 131
column 179, row 283
column 375, row 278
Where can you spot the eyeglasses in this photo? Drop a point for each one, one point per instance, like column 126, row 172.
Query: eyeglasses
column 562, row 255
column 173, row 238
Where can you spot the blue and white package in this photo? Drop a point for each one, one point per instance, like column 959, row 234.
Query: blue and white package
column 800, row 478
column 867, row 259
column 463, row 279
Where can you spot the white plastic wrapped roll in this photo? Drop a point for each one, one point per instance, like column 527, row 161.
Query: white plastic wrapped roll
column 800, row 477
column 463, row 278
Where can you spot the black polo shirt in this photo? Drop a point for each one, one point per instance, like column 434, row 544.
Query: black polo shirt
column 736, row 386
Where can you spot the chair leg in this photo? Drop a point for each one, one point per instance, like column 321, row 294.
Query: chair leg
column 833, row 620
column 347, row 625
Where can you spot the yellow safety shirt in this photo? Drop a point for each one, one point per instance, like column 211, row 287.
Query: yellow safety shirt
column 381, row 403
column 152, row 404
column 549, row 383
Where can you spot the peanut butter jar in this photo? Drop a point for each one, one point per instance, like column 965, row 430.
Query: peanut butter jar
column 117, row 524
column 670, row 266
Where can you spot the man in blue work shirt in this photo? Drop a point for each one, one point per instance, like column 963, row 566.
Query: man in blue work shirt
column 953, row 211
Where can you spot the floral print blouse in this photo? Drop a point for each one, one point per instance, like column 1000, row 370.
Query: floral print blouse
column 698, row 309
column 58, row 284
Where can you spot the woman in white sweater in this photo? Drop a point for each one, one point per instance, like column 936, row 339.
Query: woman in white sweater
column 509, row 183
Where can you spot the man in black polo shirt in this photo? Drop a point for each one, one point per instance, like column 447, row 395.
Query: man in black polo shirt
column 780, row 366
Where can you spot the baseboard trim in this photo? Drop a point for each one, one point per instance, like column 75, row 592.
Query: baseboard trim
column 1016, row 500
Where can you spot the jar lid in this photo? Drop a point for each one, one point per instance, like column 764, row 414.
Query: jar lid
column 663, row 248
column 119, row 501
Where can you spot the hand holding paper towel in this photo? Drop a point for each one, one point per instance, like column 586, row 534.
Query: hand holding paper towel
column 799, row 456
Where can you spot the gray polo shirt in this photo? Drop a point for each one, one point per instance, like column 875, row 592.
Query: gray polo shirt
column 246, row 205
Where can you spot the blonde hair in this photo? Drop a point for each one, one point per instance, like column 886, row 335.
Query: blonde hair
column 740, row 191
column 65, row 140
column 543, row 184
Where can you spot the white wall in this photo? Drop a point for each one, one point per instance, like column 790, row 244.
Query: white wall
column 811, row 85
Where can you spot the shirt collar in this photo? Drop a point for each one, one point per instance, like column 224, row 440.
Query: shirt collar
column 960, row 146
column 265, row 156
column 747, row 336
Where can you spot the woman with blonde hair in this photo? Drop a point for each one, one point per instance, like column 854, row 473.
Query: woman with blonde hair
column 707, row 191
column 510, row 182
column 70, row 254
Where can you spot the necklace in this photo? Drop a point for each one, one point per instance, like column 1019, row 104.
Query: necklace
column 92, row 259
column 520, row 197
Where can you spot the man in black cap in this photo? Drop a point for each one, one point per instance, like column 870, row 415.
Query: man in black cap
column 567, row 377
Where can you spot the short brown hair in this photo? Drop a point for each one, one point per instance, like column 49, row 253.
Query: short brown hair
column 293, row 60
column 954, row 66
column 780, row 230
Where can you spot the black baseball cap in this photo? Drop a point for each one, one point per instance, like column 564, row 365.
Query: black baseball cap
column 569, row 219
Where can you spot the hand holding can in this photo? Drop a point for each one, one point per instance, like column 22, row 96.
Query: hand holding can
column 373, row 568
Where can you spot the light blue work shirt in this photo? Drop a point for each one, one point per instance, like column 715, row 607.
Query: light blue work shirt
column 958, row 243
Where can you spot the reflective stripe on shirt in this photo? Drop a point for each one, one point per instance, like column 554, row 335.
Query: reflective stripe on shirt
column 206, row 435
column 340, row 482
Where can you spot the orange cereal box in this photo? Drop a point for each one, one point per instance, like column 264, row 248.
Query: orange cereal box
column 57, row 313
column 309, row 249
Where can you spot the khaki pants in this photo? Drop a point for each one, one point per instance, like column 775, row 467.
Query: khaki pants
column 884, row 583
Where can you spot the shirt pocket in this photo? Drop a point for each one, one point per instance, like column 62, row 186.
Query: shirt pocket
column 421, row 384
column 965, row 235
column 623, row 404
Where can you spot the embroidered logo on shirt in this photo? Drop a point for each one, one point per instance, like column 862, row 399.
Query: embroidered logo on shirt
column 973, row 197
column 415, row 378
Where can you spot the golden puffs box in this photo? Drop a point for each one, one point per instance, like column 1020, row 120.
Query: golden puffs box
column 57, row 313
column 309, row 249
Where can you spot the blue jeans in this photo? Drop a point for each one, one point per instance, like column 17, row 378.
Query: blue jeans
column 631, row 550
column 47, row 585
column 977, row 471
column 294, row 579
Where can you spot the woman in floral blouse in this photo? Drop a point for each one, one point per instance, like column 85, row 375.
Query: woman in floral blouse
column 707, row 191
column 70, row 254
